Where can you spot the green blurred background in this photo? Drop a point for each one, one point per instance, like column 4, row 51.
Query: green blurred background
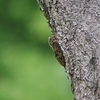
column 28, row 69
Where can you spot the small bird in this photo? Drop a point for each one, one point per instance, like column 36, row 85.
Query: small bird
column 57, row 50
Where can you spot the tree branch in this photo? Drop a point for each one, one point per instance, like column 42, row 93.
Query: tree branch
column 76, row 26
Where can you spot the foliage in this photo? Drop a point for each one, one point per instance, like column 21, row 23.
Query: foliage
column 28, row 69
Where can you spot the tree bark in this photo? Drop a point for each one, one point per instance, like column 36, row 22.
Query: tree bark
column 76, row 25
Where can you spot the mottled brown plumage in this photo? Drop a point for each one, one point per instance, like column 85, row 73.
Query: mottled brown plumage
column 57, row 50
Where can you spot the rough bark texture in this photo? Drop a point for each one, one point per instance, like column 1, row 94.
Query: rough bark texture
column 76, row 25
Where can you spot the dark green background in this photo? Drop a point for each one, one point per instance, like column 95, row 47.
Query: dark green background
column 28, row 69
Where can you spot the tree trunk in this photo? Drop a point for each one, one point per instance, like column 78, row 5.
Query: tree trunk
column 76, row 26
